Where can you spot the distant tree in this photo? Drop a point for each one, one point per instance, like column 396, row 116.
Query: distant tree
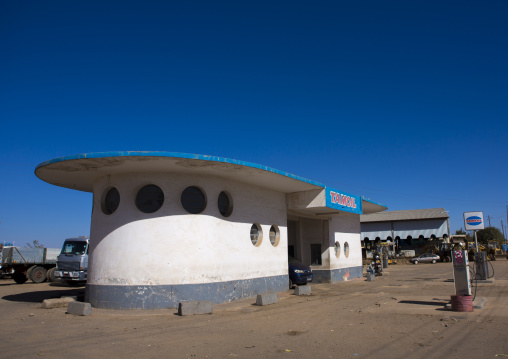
column 490, row 234
column 35, row 244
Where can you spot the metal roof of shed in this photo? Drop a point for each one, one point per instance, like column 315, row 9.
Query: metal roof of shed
column 405, row 215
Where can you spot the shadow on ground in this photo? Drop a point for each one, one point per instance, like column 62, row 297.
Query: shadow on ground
column 39, row 296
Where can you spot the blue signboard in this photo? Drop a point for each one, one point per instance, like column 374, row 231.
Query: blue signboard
column 343, row 201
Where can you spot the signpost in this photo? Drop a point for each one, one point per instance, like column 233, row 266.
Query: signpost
column 473, row 221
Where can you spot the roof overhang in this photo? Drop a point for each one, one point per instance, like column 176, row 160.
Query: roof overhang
column 303, row 195
column 81, row 171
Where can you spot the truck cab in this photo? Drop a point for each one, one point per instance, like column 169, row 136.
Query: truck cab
column 72, row 262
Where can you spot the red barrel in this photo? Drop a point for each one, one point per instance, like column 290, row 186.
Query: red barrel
column 462, row 303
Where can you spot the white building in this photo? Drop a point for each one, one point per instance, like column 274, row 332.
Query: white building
column 172, row 227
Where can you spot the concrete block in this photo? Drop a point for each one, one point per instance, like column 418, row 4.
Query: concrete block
column 79, row 308
column 192, row 308
column 75, row 297
column 56, row 303
column 302, row 290
column 266, row 299
column 370, row 276
column 479, row 303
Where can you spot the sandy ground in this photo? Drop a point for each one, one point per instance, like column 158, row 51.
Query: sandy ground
column 399, row 315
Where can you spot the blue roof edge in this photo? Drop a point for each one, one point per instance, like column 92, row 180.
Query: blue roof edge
column 175, row 155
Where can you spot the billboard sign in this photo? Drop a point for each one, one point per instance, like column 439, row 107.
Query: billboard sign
column 343, row 201
column 473, row 221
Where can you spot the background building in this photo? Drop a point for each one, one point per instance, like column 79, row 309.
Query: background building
column 406, row 230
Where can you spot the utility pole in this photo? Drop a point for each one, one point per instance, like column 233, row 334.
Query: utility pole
column 489, row 219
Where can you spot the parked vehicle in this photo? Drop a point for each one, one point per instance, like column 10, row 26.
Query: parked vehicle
column 299, row 273
column 72, row 263
column 425, row 258
column 36, row 264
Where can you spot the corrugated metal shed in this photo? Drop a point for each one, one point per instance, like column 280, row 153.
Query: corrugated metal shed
column 406, row 215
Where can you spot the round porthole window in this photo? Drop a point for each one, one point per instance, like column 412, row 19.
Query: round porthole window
column 193, row 200
column 225, row 204
column 256, row 235
column 149, row 199
column 274, row 235
column 110, row 201
column 346, row 249
column 337, row 249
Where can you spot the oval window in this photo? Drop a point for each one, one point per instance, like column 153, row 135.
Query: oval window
column 111, row 201
column 193, row 200
column 274, row 235
column 149, row 199
column 337, row 249
column 346, row 249
column 256, row 235
column 225, row 204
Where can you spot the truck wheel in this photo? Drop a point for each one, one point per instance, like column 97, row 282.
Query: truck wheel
column 29, row 270
column 19, row 278
column 50, row 276
column 38, row 274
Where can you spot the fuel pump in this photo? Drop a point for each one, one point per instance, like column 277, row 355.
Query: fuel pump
column 461, row 273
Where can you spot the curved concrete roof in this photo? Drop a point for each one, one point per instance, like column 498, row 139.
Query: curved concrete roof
column 80, row 171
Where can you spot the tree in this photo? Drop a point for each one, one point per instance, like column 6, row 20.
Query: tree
column 35, row 244
column 490, row 234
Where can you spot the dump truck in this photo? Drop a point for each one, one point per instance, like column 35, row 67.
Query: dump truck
column 72, row 262
column 36, row 264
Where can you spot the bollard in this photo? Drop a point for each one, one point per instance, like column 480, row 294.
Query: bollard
column 266, row 299
column 302, row 290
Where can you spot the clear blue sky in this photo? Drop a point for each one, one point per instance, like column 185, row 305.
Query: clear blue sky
column 404, row 102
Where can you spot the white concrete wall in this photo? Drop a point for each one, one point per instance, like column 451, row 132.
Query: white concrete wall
column 170, row 246
column 345, row 228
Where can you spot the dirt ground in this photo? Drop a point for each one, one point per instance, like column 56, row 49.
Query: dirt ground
column 399, row 315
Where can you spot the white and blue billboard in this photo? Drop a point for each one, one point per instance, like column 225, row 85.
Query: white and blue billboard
column 473, row 221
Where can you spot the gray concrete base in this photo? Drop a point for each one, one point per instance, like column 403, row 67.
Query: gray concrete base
column 336, row 275
column 169, row 296
column 56, row 303
column 302, row 290
column 193, row 308
column 79, row 308
column 266, row 299
column 479, row 303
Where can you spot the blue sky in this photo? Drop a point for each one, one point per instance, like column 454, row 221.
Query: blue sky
column 403, row 102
